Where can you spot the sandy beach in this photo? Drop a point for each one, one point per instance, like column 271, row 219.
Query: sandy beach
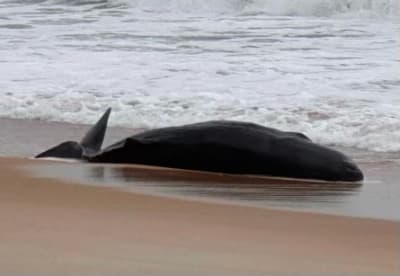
column 322, row 69
column 51, row 227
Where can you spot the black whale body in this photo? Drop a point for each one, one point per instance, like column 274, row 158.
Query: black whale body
column 225, row 147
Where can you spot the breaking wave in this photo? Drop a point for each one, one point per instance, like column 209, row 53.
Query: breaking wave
column 324, row 72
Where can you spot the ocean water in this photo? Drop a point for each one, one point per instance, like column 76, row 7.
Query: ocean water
column 327, row 68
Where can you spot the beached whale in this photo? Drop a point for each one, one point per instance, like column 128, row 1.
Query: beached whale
column 216, row 146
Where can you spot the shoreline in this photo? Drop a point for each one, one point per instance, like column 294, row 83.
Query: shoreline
column 53, row 227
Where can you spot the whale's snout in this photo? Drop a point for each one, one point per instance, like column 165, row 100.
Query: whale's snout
column 352, row 171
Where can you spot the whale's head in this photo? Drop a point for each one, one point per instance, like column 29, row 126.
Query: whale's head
column 89, row 146
column 332, row 165
column 312, row 161
column 351, row 172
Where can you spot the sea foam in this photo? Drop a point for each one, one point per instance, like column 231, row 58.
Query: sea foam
column 325, row 68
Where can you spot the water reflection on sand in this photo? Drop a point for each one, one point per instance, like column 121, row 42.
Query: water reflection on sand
column 377, row 197
column 243, row 188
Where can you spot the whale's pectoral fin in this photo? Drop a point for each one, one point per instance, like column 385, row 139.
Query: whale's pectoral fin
column 94, row 138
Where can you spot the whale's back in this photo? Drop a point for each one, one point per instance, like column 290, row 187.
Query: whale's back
column 229, row 147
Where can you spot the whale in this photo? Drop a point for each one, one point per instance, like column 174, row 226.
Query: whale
column 229, row 147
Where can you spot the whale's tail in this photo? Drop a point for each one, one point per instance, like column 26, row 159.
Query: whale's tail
column 90, row 144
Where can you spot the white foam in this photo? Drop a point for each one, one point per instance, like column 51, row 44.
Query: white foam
column 282, row 7
column 272, row 7
column 335, row 79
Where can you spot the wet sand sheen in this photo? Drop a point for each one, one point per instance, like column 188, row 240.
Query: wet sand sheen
column 377, row 197
column 52, row 227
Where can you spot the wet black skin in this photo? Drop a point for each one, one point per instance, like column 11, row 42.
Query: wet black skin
column 89, row 145
column 69, row 150
column 232, row 147
column 216, row 146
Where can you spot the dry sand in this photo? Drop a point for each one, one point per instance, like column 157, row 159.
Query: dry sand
column 53, row 227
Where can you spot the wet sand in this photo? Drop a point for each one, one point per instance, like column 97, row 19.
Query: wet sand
column 54, row 227
column 377, row 197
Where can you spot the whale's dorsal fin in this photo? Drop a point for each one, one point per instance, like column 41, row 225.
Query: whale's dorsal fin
column 94, row 138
